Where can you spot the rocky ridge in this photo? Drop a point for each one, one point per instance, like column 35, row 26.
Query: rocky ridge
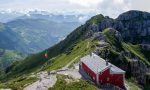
column 132, row 27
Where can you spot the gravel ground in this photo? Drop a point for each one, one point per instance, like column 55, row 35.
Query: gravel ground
column 47, row 81
column 71, row 72
column 44, row 83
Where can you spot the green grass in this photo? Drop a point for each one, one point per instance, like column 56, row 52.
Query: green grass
column 79, row 50
column 122, row 46
column 132, row 85
column 8, row 57
column 35, row 61
column 61, row 84
column 128, row 59
column 136, row 50
column 110, row 38
column 18, row 83
column 96, row 19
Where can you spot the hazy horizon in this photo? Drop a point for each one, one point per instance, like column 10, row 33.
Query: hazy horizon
column 106, row 7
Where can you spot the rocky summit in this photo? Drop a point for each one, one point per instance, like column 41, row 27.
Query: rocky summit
column 134, row 26
column 131, row 27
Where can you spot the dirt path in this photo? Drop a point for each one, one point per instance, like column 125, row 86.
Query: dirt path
column 66, row 67
column 71, row 72
column 47, row 81
column 44, row 83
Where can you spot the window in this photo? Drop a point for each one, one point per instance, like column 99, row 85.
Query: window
column 108, row 79
column 101, row 81
column 93, row 78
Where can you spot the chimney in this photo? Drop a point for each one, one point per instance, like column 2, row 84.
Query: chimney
column 106, row 62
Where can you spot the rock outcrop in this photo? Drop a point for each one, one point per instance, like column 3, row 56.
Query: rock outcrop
column 131, row 26
column 134, row 26
column 139, row 70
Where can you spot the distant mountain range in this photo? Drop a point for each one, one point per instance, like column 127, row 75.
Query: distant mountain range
column 6, row 16
column 9, row 15
column 8, row 38
column 35, row 31
column 30, row 32
column 7, row 57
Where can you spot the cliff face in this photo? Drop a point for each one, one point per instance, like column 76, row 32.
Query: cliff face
column 131, row 27
column 134, row 26
column 111, row 46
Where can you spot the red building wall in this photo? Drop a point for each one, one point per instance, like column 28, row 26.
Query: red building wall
column 105, row 76
column 115, row 79
column 89, row 71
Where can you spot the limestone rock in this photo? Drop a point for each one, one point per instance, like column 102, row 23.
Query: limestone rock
column 139, row 70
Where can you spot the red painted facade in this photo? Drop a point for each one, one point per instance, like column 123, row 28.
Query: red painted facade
column 105, row 76
column 89, row 72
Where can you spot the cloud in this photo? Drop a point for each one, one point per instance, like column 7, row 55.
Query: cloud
column 110, row 8
column 107, row 7
column 141, row 5
column 82, row 19
column 85, row 3
column 113, row 8
column 118, row 1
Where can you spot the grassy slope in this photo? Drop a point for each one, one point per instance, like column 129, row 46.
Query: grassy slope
column 8, row 57
column 115, row 47
column 61, row 84
column 122, row 46
column 18, row 83
column 36, row 61
column 62, row 53
column 96, row 19
column 132, row 85
column 79, row 50
column 135, row 50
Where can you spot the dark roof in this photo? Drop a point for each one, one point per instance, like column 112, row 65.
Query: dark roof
column 97, row 64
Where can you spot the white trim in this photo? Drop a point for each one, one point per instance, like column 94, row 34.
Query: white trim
column 97, row 79
column 103, row 70
column 97, row 59
column 111, row 72
column 97, row 74
column 123, row 79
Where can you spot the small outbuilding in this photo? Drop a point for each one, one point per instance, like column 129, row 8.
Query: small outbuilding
column 101, row 71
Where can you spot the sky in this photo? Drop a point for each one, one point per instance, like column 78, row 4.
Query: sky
column 110, row 8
